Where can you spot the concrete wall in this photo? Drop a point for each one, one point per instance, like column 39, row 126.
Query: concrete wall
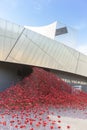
column 10, row 74
column 72, row 79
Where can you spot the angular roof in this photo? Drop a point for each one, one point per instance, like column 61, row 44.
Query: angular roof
column 24, row 46
column 48, row 30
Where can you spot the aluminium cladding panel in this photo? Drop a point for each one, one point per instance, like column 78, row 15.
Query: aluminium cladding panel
column 9, row 33
column 28, row 52
column 82, row 65
column 64, row 57
column 35, row 49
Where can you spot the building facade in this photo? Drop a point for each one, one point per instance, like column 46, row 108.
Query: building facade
column 24, row 46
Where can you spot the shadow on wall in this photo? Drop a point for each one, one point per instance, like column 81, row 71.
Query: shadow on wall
column 11, row 73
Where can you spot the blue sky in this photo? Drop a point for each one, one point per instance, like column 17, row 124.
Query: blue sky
column 43, row 12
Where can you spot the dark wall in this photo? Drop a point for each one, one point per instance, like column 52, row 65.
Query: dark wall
column 72, row 79
column 10, row 74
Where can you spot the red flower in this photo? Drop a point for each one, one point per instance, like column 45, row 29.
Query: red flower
column 51, row 127
column 59, row 116
column 31, row 128
column 68, row 127
column 16, row 126
column 59, row 121
column 4, row 123
column 59, row 127
column 31, row 122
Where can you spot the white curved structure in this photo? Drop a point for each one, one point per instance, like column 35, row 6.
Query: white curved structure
column 24, row 46
column 48, row 31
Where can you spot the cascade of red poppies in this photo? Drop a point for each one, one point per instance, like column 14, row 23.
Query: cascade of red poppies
column 42, row 88
column 36, row 94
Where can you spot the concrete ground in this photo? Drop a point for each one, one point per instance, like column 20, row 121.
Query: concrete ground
column 62, row 119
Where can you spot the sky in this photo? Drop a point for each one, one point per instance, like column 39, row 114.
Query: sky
column 72, row 13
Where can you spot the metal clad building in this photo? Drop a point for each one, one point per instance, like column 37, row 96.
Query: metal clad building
column 24, row 45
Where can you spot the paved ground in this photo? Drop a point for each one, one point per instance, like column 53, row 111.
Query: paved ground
column 57, row 120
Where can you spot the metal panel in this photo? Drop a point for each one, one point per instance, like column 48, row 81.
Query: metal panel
column 82, row 65
column 9, row 33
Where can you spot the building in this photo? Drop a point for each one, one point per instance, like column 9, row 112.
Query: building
column 23, row 46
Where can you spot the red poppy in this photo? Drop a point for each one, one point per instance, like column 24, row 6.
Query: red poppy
column 68, row 127
column 31, row 128
column 16, row 126
column 31, row 122
column 59, row 127
column 4, row 123
column 59, row 121
column 51, row 127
